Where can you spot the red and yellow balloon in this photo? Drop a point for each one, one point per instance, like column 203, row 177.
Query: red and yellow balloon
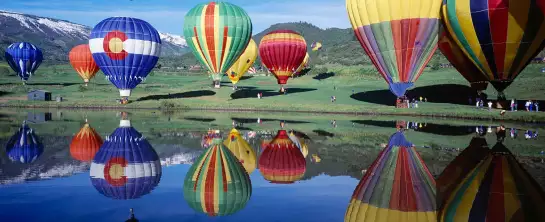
column 82, row 61
column 282, row 52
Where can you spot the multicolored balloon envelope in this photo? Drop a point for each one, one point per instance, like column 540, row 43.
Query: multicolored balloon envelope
column 82, row 61
column 282, row 52
column 499, row 37
column 399, row 37
column 208, row 137
column 397, row 187
column 217, row 33
column 217, row 184
column 316, row 46
column 24, row 146
column 497, row 189
column 243, row 63
column 456, row 170
column 24, row 58
column 242, row 150
column 282, row 161
column 126, row 50
column 126, row 166
column 460, row 61
column 85, row 144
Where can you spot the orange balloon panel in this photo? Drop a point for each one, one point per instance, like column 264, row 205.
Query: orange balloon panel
column 85, row 144
column 82, row 61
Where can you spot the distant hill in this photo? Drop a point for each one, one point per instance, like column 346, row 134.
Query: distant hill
column 56, row 37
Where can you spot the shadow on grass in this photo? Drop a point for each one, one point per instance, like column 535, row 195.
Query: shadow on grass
column 190, row 94
column 252, row 92
column 54, row 84
column 2, row 93
column 442, row 93
column 198, row 119
column 379, row 123
column 254, row 120
column 323, row 76
column 436, row 129
column 323, row 133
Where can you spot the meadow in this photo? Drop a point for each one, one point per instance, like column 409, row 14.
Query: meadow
column 358, row 90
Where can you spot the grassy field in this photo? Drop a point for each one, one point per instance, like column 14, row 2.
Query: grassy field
column 446, row 90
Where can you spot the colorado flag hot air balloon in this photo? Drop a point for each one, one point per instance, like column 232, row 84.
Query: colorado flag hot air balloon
column 281, row 161
column 85, row 144
column 397, row 187
column 244, row 62
column 217, row 184
column 282, row 52
column 126, row 50
column 126, row 166
column 24, row 58
column 399, row 37
column 82, row 61
column 217, row 33
column 24, row 146
column 499, row 37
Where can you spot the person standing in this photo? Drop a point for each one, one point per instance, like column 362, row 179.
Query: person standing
column 512, row 105
column 527, row 104
column 489, row 105
column 536, row 104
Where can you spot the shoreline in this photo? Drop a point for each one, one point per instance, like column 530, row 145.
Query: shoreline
column 245, row 110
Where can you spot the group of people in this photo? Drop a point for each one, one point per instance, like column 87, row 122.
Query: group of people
column 479, row 103
column 532, row 106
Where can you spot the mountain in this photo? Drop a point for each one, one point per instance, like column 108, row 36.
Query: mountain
column 56, row 37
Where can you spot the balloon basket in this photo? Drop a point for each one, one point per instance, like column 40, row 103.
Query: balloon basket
column 217, row 84
column 124, row 101
column 502, row 104
column 401, row 103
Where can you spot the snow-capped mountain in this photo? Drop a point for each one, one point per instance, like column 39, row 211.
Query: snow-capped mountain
column 56, row 37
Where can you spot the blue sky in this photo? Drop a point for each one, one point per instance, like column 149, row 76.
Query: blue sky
column 168, row 15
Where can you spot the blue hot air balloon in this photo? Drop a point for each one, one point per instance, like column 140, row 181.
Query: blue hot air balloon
column 24, row 58
column 126, row 166
column 24, row 146
column 126, row 50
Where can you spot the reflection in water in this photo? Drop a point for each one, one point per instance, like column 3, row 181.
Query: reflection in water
column 397, row 187
column 456, row 170
column 242, row 150
column 497, row 189
column 24, row 146
column 208, row 137
column 217, row 184
column 281, row 161
column 85, row 144
column 299, row 141
column 126, row 166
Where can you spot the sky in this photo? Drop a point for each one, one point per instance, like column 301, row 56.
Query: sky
column 168, row 15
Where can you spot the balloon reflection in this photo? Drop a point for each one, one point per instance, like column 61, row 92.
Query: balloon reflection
column 126, row 166
column 217, row 184
column 24, row 146
column 242, row 150
column 281, row 161
column 498, row 188
column 85, row 144
column 397, row 187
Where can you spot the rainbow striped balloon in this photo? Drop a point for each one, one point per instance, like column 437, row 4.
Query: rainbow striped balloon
column 217, row 33
column 499, row 37
column 497, row 189
column 397, row 187
column 217, row 184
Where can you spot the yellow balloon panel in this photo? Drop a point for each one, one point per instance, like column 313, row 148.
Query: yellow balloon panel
column 244, row 62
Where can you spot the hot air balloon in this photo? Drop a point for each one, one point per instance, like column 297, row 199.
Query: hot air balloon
column 82, row 61
column 242, row 150
column 303, row 65
column 282, row 162
column 316, row 46
column 397, row 187
column 126, row 166
column 24, row 146
column 456, row 170
column 85, row 144
column 282, row 52
column 217, row 33
column 243, row 64
column 497, row 189
column 460, row 61
column 24, row 58
column 300, row 143
column 126, row 50
column 399, row 37
column 217, row 184
column 502, row 45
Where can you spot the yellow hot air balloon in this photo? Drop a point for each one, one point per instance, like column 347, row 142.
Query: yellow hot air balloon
column 244, row 62
column 300, row 143
column 303, row 64
column 242, row 150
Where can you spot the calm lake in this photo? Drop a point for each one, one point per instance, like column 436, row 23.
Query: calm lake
column 87, row 165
